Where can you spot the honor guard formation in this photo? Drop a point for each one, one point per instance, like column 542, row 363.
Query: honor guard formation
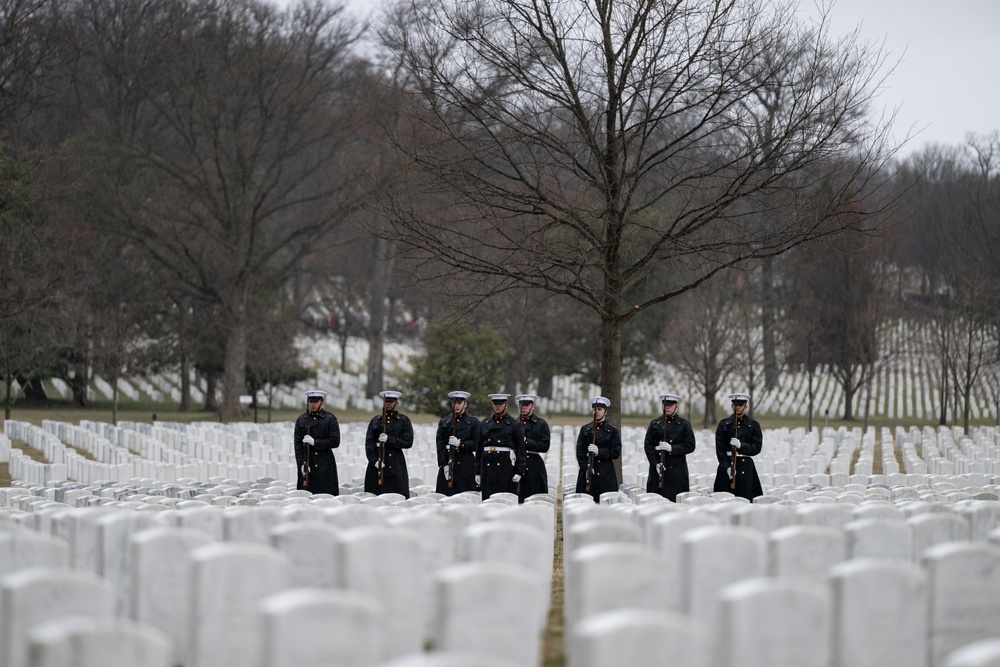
column 502, row 453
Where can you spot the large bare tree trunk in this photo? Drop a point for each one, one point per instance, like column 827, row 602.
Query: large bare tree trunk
column 185, row 383
column 78, row 383
column 611, row 373
column 234, row 377
column 381, row 278
column 767, row 308
column 943, row 396
column 849, row 399
column 809, row 375
column 8, row 400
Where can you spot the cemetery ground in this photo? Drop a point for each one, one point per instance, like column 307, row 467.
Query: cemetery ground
column 553, row 643
column 36, row 413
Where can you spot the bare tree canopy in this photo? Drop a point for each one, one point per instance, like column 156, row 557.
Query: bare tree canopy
column 232, row 166
column 621, row 152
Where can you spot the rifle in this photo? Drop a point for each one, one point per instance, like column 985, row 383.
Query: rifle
column 736, row 434
column 381, row 468
column 451, row 451
column 591, row 457
column 309, row 421
column 663, row 455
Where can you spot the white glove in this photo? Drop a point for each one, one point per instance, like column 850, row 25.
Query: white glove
column 659, row 469
column 477, row 480
column 735, row 442
column 447, row 473
column 303, row 470
column 308, row 439
column 378, row 464
column 382, row 437
column 516, row 479
column 664, row 447
column 454, row 442
column 592, row 448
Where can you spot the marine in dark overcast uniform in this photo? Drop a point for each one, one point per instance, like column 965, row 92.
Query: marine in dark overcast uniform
column 500, row 457
column 384, row 445
column 457, row 435
column 738, row 435
column 603, row 441
column 316, row 435
column 669, row 439
column 537, row 439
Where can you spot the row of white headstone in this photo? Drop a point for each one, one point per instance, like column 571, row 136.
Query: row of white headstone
column 355, row 580
column 832, row 458
column 729, row 583
column 901, row 389
column 909, row 522
column 200, row 450
column 639, row 553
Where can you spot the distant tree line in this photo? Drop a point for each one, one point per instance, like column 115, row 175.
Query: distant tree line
column 190, row 184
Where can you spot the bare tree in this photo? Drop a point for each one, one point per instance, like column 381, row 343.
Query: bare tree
column 702, row 344
column 839, row 309
column 751, row 339
column 954, row 224
column 586, row 148
column 236, row 167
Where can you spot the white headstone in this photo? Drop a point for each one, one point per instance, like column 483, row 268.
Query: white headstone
column 598, row 531
column 714, row 557
column 964, row 591
column 879, row 538
column 250, row 524
column 937, row 528
column 664, row 535
column 765, row 518
column 207, row 519
column 387, row 564
column 877, row 510
column 450, row 659
column 482, row 606
column 508, row 542
column 35, row 595
column 795, row 634
column 879, row 613
column 228, row 581
column 638, row 638
column 79, row 641
column 321, row 627
column 353, row 516
column 804, row 551
column 311, row 547
column 21, row 548
column 114, row 558
column 835, row 515
column 984, row 653
column 160, row 585
column 983, row 517
column 613, row 576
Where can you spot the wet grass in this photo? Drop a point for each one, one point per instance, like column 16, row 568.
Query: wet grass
column 554, row 640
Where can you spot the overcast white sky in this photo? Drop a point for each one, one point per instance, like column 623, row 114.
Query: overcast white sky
column 947, row 80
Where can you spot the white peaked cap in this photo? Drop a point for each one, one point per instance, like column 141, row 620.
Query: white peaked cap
column 739, row 397
column 600, row 400
column 499, row 397
column 390, row 395
column 526, row 398
column 464, row 395
column 315, row 393
column 670, row 397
